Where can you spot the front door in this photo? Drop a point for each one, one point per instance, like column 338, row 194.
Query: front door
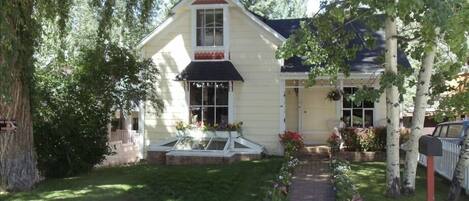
column 318, row 115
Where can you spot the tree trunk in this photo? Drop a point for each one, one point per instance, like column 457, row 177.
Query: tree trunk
column 458, row 175
column 18, row 170
column 418, row 118
column 17, row 157
column 392, row 112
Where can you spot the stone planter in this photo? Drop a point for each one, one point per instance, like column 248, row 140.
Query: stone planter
column 367, row 156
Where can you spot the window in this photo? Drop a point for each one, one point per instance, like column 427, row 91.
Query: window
column 209, row 27
column 454, row 130
column 209, row 102
column 356, row 114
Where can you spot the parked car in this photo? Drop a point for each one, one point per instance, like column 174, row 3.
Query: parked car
column 453, row 131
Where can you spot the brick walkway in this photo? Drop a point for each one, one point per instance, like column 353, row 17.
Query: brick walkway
column 311, row 181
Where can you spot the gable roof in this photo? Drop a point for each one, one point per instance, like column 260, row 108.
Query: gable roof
column 366, row 60
column 169, row 20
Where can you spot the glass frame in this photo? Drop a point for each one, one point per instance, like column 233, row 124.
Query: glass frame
column 211, row 28
column 348, row 106
column 203, row 107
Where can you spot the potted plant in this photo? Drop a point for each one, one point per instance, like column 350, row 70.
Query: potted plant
column 181, row 129
column 334, row 94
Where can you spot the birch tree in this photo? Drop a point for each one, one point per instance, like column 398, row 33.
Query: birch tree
column 409, row 25
column 458, row 175
column 439, row 25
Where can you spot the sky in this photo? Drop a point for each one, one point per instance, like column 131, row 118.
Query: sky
column 312, row 7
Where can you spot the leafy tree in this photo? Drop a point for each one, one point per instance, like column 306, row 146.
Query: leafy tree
column 326, row 44
column 73, row 109
column 43, row 31
column 277, row 9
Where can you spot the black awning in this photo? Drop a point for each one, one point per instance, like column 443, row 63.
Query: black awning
column 210, row 71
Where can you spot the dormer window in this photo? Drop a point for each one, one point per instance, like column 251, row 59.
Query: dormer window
column 209, row 27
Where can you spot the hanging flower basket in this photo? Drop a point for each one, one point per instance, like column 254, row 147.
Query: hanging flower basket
column 334, row 95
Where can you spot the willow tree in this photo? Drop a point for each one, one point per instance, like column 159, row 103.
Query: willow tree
column 325, row 43
column 20, row 33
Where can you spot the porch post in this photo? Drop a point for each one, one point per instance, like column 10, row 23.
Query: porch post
column 231, row 117
column 141, row 129
column 282, row 106
column 338, row 104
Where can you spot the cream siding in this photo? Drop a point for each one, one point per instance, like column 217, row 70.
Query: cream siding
column 256, row 100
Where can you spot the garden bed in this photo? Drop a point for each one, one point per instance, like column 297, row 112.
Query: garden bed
column 362, row 156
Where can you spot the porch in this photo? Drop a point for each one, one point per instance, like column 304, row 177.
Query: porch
column 308, row 110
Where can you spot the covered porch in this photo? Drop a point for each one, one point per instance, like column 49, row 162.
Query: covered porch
column 308, row 111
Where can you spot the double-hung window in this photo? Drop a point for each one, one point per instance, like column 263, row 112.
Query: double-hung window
column 356, row 114
column 209, row 27
column 209, row 102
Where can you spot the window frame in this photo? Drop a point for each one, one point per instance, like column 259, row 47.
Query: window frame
column 352, row 107
column 204, row 27
column 226, row 31
column 203, row 106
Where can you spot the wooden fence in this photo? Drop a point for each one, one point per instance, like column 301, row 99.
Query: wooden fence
column 444, row 165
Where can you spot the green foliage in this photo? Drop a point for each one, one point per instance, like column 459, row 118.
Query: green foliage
column 343, row 184
column 277, row 9
column 368, row 139
column 73, row 107
column 324, row 42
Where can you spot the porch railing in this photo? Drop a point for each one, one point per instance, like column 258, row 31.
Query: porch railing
column 444, row 165
column 125, row 136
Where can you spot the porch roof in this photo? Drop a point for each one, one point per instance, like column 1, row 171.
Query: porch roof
column 366, row 60
column 210, row 71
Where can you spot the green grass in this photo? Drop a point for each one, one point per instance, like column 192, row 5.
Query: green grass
column 244, row 181
column 370, row 180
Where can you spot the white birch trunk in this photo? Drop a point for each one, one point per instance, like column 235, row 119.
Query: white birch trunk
column 392, row 112
column 458, row 176
column 418, row 118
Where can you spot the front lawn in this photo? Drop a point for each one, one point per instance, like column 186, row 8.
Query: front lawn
column 370, row 180
column 244, row 181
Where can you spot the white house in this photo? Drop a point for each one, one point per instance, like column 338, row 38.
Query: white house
column 218, row 65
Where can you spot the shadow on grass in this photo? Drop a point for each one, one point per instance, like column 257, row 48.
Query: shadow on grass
column 244, row 181
column 370, row 180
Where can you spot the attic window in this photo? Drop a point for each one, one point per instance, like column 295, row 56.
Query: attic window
column 209, row 27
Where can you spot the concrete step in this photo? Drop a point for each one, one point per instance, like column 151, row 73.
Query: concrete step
column 315, row 152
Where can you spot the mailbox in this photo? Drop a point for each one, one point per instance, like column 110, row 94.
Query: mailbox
column 430, row 146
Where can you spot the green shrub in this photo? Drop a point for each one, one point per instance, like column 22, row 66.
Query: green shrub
column 368, row 139
column 73, row 105
column 343, row 185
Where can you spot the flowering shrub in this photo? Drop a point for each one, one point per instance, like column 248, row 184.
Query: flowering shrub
column 343, row 185
column 368, row 139
column 292, row 143
column 334, row 142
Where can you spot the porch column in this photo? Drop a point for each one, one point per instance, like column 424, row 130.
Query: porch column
column 231, row 115
column 338, row 104
column 282, row 106
column 141, row 130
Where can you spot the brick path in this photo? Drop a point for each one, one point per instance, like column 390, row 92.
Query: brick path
column 311, row 181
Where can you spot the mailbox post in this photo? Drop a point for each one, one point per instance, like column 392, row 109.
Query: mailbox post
column 430, row 146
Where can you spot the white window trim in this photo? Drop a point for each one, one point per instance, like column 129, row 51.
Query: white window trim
column 351, row 109
column 226, row 28
column 231, row 116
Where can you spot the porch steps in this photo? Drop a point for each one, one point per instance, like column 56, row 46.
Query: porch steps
column 314, row 152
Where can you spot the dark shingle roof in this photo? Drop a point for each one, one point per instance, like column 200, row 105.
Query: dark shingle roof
column 365, row 61
column 210, row 71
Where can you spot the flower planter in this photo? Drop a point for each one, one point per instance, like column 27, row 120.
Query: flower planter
column 366, row 156
column 197, row 133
